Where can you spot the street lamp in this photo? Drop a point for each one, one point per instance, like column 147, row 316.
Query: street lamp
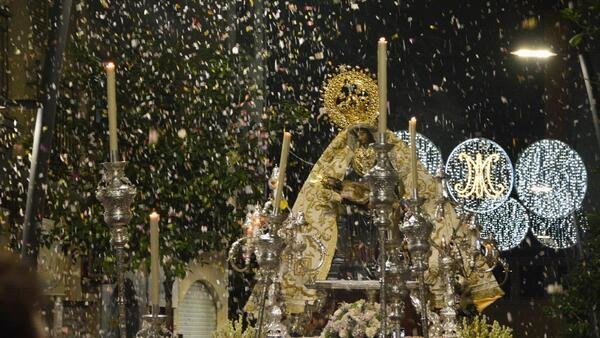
column 533, row 53
column 543, row 53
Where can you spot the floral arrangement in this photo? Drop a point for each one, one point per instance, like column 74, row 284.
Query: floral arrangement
column 234, row 329
column 358, row 319
column 479, row 327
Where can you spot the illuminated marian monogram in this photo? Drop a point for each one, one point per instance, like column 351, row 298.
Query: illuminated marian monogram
column 479, row 177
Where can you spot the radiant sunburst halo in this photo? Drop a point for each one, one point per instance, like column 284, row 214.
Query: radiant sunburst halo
column 351, row 97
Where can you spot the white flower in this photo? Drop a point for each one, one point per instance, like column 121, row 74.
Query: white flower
column 353, row 313
column 368, row 315
column 371, row 332
column 358, row 332
column 356, row 319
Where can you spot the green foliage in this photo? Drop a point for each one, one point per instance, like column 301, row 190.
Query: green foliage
column 195, row 146
column 234, row 329
column 586, row 22
column 189, row 174
column 582, row 291
column 479, row 327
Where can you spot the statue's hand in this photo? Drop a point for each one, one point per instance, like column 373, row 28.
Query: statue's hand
column 355, row 192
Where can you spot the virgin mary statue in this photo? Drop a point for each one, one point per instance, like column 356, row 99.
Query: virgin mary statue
column 333, row 188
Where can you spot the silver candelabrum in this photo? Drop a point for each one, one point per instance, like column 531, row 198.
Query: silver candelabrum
column 383, row 182
column 270, row 243
column 448, row 322
column 268, row 249
column 116, row 193
column 417, row 231
column 397, row 273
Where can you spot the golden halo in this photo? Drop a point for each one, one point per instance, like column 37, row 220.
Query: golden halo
column 351, row 97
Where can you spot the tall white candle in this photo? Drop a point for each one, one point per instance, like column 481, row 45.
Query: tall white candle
column 382, row 86
column 412, row 129
column 154, row 260
column 285, row 149
column 112, row 110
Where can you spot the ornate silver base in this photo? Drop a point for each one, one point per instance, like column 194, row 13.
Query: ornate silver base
column 154, row 326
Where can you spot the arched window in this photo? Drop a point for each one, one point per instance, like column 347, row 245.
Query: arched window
column 197, row 312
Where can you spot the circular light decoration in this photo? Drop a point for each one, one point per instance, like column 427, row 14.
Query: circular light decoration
column 428, row 153
column 559, row 233
column 480, row 175
column 507, row 225
column 551, row 179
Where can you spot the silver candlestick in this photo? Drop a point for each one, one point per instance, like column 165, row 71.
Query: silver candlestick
column 267, row 246
column 272, row 242
column 383, row 181
column 442, row 178
column 274, row 326
column 448, row 312
column 116, row 193
column 417, row 231
column 397, row 274
column 283, row 242
column 268, row 249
